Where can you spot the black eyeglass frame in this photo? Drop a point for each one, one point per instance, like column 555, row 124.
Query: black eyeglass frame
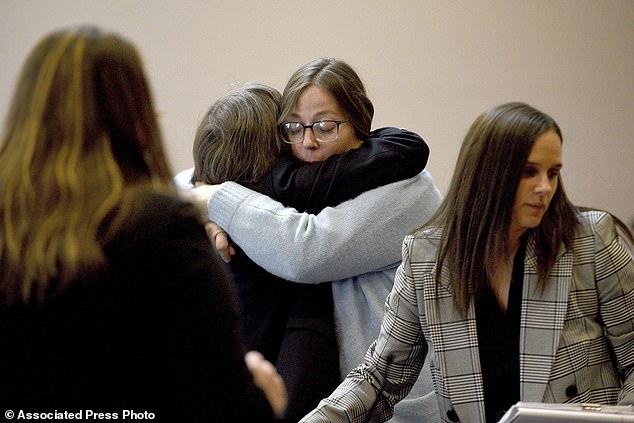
column 311, row 126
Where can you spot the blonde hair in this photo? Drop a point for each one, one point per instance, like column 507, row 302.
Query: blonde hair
column 80, row 139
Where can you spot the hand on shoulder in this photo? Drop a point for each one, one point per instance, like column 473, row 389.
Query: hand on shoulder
column 200, row 196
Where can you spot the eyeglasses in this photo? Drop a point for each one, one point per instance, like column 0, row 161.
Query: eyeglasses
column 324, row 131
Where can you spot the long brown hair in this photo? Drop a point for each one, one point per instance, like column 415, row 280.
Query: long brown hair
column 80, row 137
column 476, row 212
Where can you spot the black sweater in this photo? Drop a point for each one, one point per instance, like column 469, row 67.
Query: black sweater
column 157, row 331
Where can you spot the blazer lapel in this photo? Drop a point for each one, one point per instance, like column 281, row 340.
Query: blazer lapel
column 542, row 320
column 455, row 341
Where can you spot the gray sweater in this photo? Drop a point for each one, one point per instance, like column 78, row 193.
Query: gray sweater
column 356, row 245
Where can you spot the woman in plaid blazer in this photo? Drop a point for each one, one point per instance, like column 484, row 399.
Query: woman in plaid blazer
column 510, row 291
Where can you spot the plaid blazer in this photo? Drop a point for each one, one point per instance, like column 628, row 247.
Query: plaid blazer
column 576, row 337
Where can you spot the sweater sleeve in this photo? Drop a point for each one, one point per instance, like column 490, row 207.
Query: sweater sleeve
column 359, row 236
column 388, row 155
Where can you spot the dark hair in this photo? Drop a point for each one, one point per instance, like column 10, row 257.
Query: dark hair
column 342, row 82
column 476, row 212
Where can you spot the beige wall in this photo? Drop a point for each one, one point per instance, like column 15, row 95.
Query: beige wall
column 430, row 65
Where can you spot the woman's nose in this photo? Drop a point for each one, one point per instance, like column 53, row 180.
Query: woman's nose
column 309, row 139
column 544, row 185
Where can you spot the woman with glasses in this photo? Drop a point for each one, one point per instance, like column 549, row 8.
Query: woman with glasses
column 291, row 324
column 509, row 292
column 325, row 116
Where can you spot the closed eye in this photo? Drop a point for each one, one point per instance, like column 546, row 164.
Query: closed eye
column 553, row 173
column 326, row 125
column 529, row 171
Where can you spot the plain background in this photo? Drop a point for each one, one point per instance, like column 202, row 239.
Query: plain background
column 430, row 66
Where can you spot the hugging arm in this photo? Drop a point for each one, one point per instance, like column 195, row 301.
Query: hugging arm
column 388, row 155
column 359, row 236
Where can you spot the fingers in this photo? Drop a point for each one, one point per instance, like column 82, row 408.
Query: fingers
column 222, row 246
column 265, row 377
column 220, row 240
column 202, row 193
column 200, row 196
column 256, row 361
column 253, row 359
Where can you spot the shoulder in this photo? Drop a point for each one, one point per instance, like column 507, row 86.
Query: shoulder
column 390, row 131
column 164, row 206
column 397, row 140
column 608, row 227
column 183, row 179
column 427, row 234
column 420, row 186
column 596, row 223
column 162, row 236
column 422, row 245
column 597, row 236
column 159, row 215
column 417, row 196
